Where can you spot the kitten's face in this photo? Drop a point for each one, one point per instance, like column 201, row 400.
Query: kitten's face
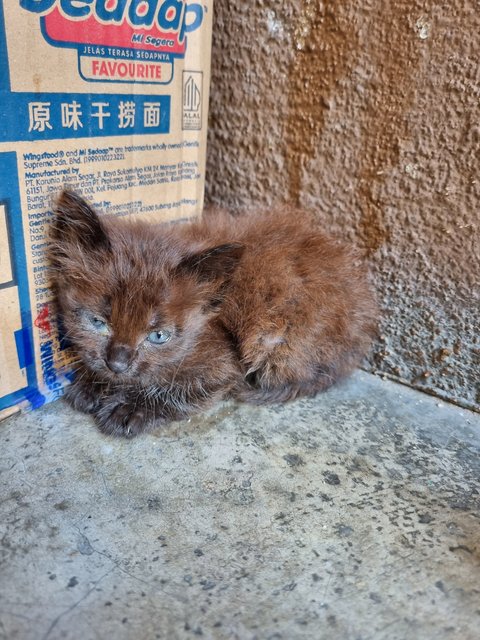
column 133, row 305
column 129, row 335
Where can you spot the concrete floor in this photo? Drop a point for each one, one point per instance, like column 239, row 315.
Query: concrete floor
column 352, row 516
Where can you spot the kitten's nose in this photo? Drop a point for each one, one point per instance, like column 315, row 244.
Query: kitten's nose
column 119, row 358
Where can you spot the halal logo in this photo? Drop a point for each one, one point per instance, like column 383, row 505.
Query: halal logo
column 191, row 95
column 192, row 100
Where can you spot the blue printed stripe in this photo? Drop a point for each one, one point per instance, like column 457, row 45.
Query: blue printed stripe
column 24, row 348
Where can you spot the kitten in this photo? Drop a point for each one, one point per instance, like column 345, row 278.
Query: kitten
column 169, row 319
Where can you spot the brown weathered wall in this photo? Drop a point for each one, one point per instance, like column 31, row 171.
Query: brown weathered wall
column 367, row 112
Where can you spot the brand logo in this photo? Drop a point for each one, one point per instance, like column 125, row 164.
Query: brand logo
column 192, row 100
column 149, row 34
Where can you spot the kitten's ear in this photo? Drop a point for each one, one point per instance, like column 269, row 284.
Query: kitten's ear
column 76, row 221
column 217, row 263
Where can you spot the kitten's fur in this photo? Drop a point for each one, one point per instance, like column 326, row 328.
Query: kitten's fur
column 260, row 307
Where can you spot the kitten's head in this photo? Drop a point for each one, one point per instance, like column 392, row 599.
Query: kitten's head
column 133, row 299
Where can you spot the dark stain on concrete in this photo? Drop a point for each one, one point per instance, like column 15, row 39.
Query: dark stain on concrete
column 84, row 546
column 293, row 460
column 331, row 478
column 343, row 530
column 61, row 506
column 154, row 503
column 425, row 518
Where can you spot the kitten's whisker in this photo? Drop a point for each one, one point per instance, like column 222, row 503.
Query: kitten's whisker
column 177, row 370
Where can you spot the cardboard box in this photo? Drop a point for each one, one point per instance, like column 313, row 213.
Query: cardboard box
column 108, row 97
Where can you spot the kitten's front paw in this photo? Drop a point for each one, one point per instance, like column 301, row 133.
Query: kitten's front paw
column 121, row 420
column 82, row 397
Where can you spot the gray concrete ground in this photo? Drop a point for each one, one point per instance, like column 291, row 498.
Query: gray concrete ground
column 352, row 516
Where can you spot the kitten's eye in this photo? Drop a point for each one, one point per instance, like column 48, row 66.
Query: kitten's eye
column 98, row 323
column 159, row 337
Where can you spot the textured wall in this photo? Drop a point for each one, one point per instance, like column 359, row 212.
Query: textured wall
column 368, row 113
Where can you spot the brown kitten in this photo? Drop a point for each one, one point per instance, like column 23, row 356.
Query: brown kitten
column 169, row 319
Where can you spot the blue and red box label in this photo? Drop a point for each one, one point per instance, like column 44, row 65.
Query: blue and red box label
column 120, row 40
